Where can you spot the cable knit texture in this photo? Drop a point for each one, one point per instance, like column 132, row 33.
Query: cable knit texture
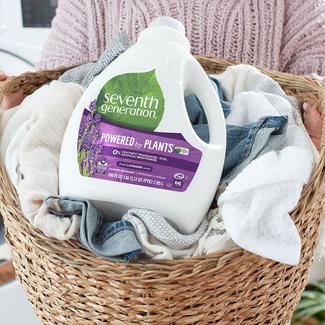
column 278, row 34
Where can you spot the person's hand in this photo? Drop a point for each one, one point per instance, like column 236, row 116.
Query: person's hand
column 313, row 122
column 10, row 100
column 7, row 272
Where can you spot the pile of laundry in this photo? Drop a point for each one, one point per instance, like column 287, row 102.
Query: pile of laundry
column 269, row 158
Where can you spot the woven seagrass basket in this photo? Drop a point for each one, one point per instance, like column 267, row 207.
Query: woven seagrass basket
column 66, row 284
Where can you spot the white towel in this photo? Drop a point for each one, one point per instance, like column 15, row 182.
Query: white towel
column 248, row 107
column 255, row 206
column 260, row 198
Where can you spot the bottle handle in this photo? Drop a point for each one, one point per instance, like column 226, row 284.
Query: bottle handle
column 196, row 82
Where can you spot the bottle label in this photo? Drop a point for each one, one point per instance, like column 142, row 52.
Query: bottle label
column 117, row 141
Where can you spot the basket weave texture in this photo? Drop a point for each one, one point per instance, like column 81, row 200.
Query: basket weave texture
column 66, row 284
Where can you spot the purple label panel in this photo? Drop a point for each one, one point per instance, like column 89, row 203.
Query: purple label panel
column 120, row 154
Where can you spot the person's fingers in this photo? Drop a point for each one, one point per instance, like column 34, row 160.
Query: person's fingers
column 313, row 122
column 310, row 108
column 3, row 76
column 307, row 106
column 12, row 100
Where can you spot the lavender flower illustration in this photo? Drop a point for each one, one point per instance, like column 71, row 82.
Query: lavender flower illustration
column 88, row 150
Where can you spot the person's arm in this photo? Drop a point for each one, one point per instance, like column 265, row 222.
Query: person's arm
column 303, row 40
column 68, row 42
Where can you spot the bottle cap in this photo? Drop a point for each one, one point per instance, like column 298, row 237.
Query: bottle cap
column 165, row 21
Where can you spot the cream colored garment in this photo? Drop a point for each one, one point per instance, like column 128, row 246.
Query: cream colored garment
column 5, row 117
column 12, row 119
column 12, row 158
column 38, row 159
column 216, row 239
column 241, row 78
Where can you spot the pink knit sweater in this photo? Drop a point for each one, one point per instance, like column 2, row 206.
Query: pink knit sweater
column 287, row 35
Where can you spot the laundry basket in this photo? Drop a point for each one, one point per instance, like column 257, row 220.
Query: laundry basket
column 67, row 284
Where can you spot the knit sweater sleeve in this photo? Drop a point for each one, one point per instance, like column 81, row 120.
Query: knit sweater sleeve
column 68, row 41
column 303, row 42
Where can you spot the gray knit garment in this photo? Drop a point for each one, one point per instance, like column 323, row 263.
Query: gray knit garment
column 162, row 230
column 85, row 74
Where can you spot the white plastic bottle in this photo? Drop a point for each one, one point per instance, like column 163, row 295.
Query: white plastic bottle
column 130, row 142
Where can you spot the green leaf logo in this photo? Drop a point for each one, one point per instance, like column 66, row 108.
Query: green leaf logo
column 133, row 100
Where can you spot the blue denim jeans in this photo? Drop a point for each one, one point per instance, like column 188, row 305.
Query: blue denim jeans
column 196, row 113
column 107, row 239
column 244, row 143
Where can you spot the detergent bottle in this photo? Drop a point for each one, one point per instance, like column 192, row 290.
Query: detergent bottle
column 129, row 142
